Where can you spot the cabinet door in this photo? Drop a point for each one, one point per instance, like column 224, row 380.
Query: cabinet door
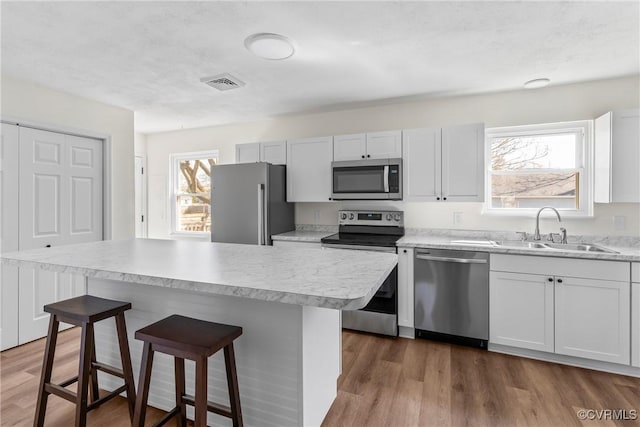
column 463, row 163
column 592, row 319
column 625, row 156
column 309, row 169
column 349, row 147
column 248, row 153
column 384, row 145
column 635, row 324
column 421, row 164
column 9, row 235
column 405, row 287
column 521, row 310
column 274, row 152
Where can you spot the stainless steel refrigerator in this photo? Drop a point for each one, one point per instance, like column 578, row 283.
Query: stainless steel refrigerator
column 249, row 203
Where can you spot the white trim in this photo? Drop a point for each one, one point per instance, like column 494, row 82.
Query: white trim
column 173, row 189
column 584, row 153
column 107, row 226
column 145, row 201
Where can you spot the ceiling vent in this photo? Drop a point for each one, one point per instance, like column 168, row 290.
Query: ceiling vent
column 223, row 82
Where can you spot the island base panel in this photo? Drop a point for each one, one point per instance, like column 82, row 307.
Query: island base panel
column 288, row 357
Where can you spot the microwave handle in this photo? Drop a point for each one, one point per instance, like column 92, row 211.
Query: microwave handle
column 386, row 178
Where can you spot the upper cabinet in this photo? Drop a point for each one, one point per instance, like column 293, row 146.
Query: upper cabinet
column 617, row 155
column 376, row 145
column 444, row 164
column 274, row 152
column 309, row 169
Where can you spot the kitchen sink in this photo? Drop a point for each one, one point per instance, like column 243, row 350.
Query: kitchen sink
column 582, row 247
column 520, row 244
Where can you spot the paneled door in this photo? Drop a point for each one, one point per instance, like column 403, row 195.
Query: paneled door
column 8, row 235
column 60, row 203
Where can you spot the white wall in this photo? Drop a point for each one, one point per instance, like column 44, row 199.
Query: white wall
column 551, row 104
column 31, row 102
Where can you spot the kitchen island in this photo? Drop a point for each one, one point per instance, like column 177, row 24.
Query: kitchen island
column 287, row 301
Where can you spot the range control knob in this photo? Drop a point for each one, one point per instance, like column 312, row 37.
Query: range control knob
column 343, row 216
column 396, row 217
column 388, row 217
column 351, row 216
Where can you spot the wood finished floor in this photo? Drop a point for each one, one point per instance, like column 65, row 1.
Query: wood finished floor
column 385, row 382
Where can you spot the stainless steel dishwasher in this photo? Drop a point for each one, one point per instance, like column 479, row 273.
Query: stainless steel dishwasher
column 452, row 296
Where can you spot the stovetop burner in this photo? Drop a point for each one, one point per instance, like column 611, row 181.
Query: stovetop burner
column 362, row 239
column 368, row 228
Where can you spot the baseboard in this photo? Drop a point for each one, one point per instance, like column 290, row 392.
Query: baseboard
column 406, row 332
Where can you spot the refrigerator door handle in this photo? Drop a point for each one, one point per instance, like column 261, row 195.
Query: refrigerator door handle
column 386, row 178
column 261, row 214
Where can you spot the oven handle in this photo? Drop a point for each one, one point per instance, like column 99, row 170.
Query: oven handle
column 359, row 247
column 386, row 178
column 449, row 259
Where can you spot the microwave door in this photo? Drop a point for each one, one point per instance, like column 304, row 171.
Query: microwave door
column 365, row 182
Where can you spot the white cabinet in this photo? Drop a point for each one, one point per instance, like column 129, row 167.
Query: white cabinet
column 309, row 169
column 405, row 287
column 617, row 155
column 635, row 314
column 444, row 164
column 521, row 310
column 274, row 152
column 592, row 319
column 375, row 145
column 568, row 306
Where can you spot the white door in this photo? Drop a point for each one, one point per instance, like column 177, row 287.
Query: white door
column 248, row 153
column 521, row 312
column 463, row 163
column 405, row 287
column 141, row 191
column 349, row 147
column 9, row 215
column 60, row 204
column 592, row 319
column 421, row 164
column 384, row 145
column 309, row 169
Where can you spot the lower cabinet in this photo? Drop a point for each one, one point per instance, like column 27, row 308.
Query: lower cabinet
column 635, row 314
column 548, row 304
column 405, row 287
column 521, row 310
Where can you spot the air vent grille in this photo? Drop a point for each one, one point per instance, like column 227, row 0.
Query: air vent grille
column 223, row 82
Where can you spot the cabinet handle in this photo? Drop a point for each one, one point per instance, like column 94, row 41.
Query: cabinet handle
column 550, row 279
column 368, row 155
column 363, row 156
column 47, row 246
column 559, row 280
column 405, row 251
column 444, row 198
column 437, row 198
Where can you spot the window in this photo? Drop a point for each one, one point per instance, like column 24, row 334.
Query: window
column 539, row 165
column 191, row 196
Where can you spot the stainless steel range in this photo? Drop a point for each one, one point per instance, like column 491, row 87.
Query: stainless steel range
column 371, row 231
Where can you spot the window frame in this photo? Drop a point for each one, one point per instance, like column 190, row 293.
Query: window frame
column 584, row 165
column 174, row 186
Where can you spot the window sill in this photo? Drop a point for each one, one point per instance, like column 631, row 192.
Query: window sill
column 529, row 213
column 192, row 235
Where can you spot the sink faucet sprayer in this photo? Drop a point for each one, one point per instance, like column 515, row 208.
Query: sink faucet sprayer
column 536, row 234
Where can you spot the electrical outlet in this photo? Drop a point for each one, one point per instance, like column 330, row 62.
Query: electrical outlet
column 457, row 218
column 619, row 222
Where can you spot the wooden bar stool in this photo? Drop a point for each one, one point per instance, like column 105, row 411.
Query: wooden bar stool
column 187, row 338
column 84, row 311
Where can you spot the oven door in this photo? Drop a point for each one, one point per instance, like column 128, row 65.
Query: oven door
column 380, row 315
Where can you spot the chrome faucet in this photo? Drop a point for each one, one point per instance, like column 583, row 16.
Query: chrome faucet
column 536, row 233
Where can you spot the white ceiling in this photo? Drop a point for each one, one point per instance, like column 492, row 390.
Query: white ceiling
column 149, row 56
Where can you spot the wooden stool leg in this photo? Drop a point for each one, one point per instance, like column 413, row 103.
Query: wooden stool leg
column 47, row 366
column 179, row 370
column 143, row 385
column 93, row 373
column 201, row 392
column 232, row 382
column 84, row 368
column 125, row 358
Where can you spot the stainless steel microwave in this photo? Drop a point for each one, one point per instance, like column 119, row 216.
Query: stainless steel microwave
column 377, row 179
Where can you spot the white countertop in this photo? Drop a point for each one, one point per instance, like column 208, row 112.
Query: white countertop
column 445, row 242
column 329, row 278
column 302, row 236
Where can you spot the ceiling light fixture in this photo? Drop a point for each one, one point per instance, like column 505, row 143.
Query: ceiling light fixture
column 269, row 46
column 536, row 83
